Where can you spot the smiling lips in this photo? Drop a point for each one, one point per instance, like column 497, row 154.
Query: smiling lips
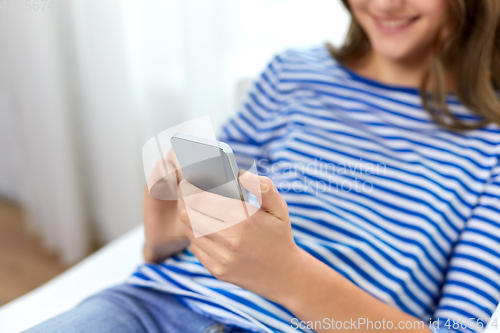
column 394, row 25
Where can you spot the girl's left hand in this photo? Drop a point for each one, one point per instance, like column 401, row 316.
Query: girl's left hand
column 256, row 253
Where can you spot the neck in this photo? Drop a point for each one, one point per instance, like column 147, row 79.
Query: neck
column 408, row 72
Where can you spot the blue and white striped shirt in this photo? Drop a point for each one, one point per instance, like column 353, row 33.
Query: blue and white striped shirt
column 406, row 210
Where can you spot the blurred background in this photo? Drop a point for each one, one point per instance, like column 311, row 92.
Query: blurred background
column 85, row 83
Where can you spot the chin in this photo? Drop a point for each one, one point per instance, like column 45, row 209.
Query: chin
column 394, row 52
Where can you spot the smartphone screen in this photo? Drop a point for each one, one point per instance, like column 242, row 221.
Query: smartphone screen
column 208, row 166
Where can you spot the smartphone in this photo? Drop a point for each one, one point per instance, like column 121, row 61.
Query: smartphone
column 209, row 165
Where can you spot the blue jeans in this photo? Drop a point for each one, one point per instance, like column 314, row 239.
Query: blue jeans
column 128, row 309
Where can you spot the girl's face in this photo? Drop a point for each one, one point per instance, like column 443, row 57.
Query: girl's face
column 400, row 30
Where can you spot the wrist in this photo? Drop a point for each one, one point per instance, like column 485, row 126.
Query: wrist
column 292, row 278
column 304, row 282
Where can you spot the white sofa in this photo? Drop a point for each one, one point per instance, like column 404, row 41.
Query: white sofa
column 107, row 267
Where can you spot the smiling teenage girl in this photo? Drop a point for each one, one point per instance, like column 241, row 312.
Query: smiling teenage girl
column 419, row 239
column 386, row 213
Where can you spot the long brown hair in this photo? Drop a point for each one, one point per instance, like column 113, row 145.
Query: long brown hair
column 471, row 54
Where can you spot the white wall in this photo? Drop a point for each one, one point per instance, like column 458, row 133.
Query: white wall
column 107, row 116
column 92, row 80
column 186, row 57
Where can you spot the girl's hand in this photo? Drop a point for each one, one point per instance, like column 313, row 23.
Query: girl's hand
column 257, row 252
column 165, row 234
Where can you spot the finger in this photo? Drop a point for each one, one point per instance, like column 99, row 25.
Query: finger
column 171, row 162
column 161, row 184
column 205, row 259
column 272, row 202
column 213, row 246
column 184, row 217
column 252, row 182
column 221, row 208
column 203, row 242
column 204, row 225
column 157, row 215
column 211, row 259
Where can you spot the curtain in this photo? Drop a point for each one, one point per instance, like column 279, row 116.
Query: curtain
column 35, row 73
column 90, row 81
column 10, row 175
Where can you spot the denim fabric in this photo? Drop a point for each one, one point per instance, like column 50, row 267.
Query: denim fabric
column 129, row 309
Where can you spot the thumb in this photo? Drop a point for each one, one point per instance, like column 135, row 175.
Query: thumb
column 269, row 198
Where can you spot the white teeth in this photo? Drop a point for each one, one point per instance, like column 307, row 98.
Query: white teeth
column 393, row 24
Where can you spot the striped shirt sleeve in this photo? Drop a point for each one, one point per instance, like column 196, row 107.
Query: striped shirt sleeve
column 252, row 127
column 471, row 290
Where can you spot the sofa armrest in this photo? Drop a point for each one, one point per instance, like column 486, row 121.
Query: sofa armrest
column 107, row 267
